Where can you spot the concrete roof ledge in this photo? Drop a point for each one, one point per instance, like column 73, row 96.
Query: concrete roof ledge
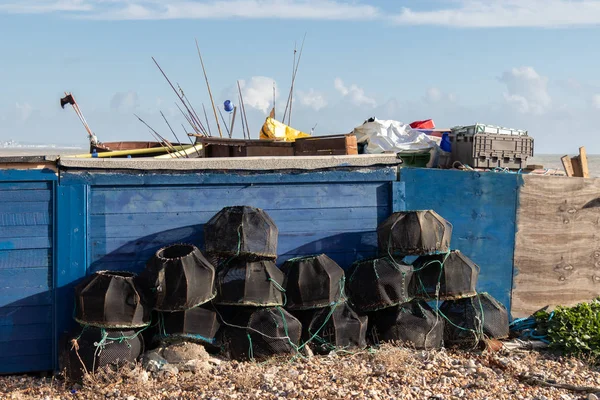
column 233, row 163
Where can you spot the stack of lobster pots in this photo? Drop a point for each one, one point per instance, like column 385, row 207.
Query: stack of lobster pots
column 242, row 242
column 316, row 296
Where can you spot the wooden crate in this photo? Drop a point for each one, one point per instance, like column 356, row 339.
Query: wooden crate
column 223, row 147
column 337, row 145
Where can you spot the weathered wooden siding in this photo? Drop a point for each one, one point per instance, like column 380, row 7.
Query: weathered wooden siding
column 26, row 278
column 557, row 251
column 481, row 208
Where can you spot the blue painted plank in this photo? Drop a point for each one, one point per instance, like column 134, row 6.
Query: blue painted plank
column 25, row 218
column 25, row 185
column 149, row 200
column 26, row 348
column 38, row 362
column 25, row 231
column 135, row 178
column 25, row 286
column 319, row 220
column 23, row 315
column 28, row 296
column 482, row 209
column 119, row 249
column 12, row 175
column 25, row 243
column 24, row 195
column 25, row 258
column 25, row 332
column 26, row 207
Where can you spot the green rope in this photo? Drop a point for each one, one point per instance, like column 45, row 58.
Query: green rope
column 280, row 288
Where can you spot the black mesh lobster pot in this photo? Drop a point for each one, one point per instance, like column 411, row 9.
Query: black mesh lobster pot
column 474, row 318
column 313, row 282
column 414, row 233
column 178, row 277
column 261, row 333
column 110, row 299
column 413, row 323
column 95, row 348
column 249, row 283
column 337, row 326
column 456, row 274
column 198, row 324
column 241, row 231
column 379, row 283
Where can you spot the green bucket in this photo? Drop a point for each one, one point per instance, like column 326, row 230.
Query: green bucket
column 418, row 160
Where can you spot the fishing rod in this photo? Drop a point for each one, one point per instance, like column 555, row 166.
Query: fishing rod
column 176, row 138
column 245, row 117
column 290, row 96
column 209, row 92
column 206, row 117
column 157, row 134
column 189, row 137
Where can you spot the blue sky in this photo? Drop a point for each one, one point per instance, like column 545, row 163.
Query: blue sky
column 527, row 64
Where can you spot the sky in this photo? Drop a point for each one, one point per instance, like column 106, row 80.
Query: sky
column 524, row 64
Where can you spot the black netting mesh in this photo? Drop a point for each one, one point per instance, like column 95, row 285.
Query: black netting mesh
column 198, row 324
column 249, row 283
column 110, row 299
column 472, row 319
column 313, row 282
column 379, row 282
column 455, row 273
column 178, row 277
column 241, row 231
column 333, row 327
column 96, row 348
column 414, row 233
column 414, row 323
column 262, row 332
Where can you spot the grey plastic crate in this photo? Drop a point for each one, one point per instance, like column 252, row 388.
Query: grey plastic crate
column 482, row 150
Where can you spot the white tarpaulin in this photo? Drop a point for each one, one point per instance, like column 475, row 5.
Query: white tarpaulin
column 389, row 135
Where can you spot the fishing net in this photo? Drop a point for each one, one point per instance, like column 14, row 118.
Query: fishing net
column 379, row 283
column 333, row 327
column 199, row 324
column 414, row 323
column 241, row 231
column 110, row 299
column 178, row 277
column 414, row 233
column 249, row 283
column 445, row 276
column 471, row 319
column 95, row 348
column 260, row 333
column 313, row 282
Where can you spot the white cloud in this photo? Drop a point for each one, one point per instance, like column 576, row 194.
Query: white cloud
column 199, row 9
column 435, row 95
column 526, row 90
column 596, row 101
column 45, row 6
column 24, row 110
column 258, row 93
column 312, row 99
column 506, row 13
column 125, row 101
column 355, row 93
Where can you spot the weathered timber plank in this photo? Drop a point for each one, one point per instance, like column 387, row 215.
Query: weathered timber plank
column 557, row 249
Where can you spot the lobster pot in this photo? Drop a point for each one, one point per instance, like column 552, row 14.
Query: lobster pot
column 455, row 273
column 199, row 324
column 473, row 318
column 379, row 283
column 249, row 283
column 241, row 231
column 110, row 299
column 98, row 348
column 260, row 333
column 414, row 233
column 337, row 326
column 413, row 323
column 313, row 282
column 178, row 277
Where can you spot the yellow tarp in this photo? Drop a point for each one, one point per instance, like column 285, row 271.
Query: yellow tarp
column 273, row 129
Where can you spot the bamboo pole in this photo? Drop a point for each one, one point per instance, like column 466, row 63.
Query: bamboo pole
column 209, row 92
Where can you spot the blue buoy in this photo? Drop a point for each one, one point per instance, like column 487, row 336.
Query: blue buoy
column 228, row 105
column 94, row 153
